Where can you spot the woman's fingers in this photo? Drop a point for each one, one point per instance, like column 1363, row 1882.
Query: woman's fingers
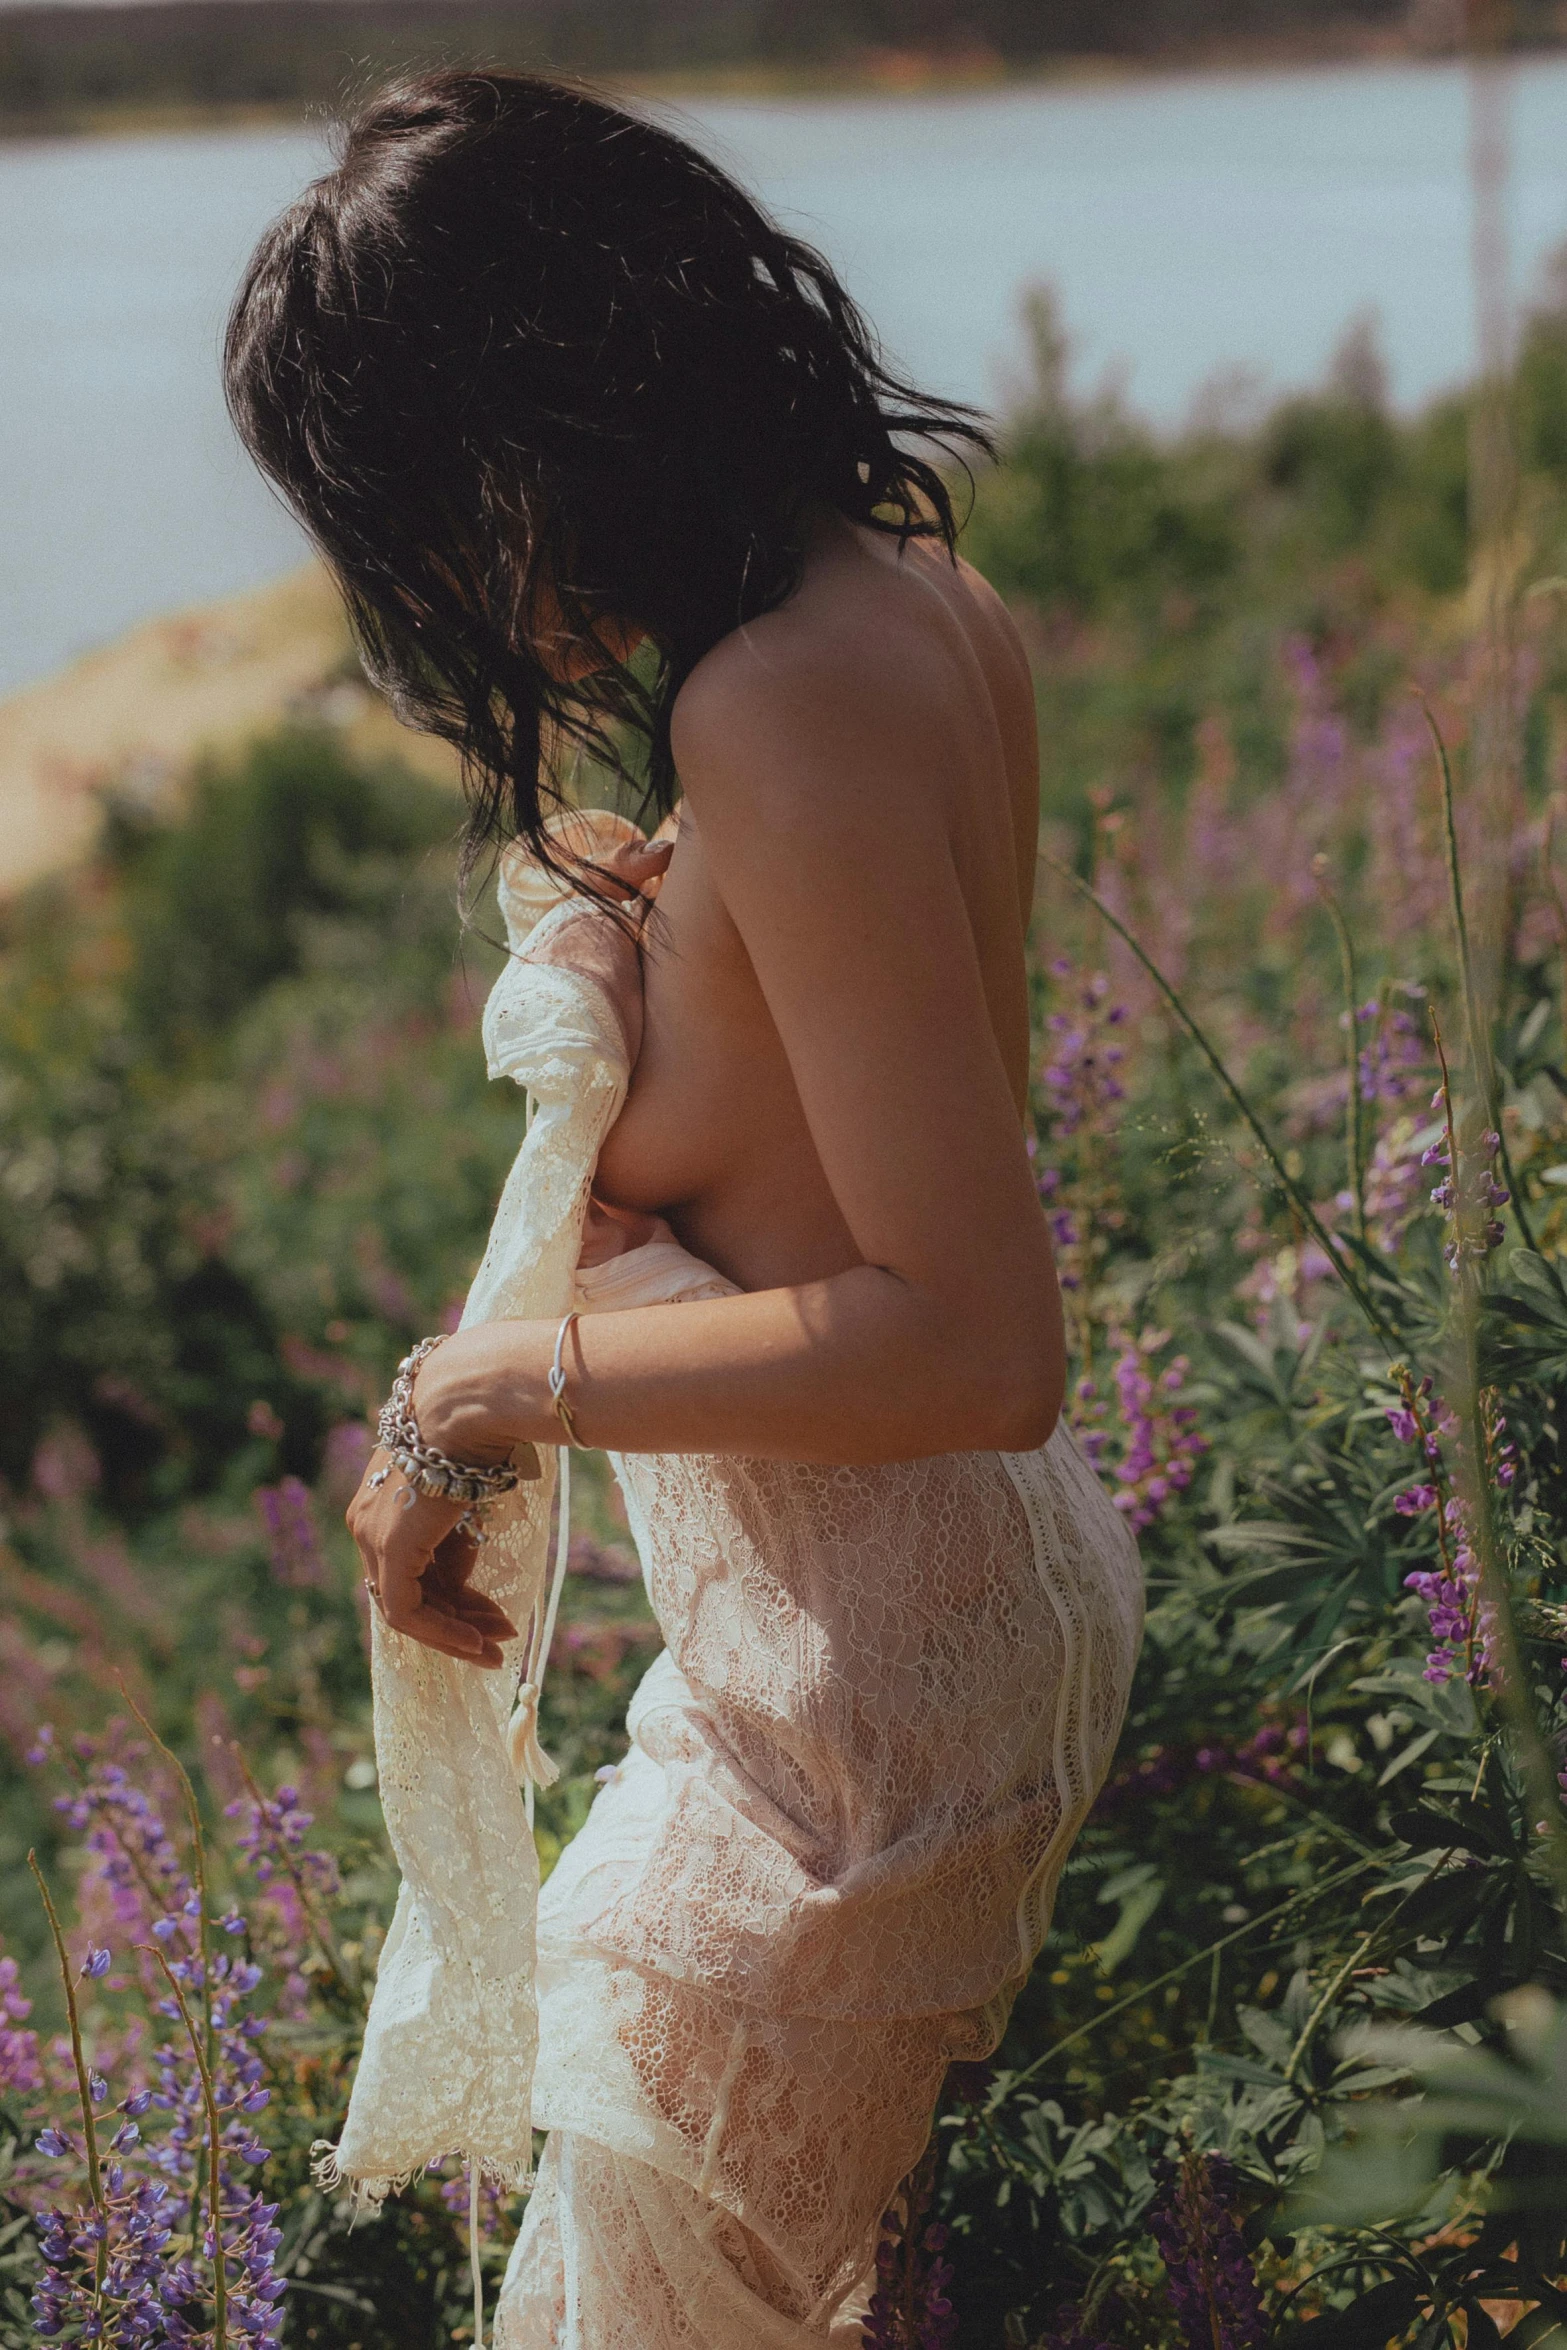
column 447, row 1588
column 635, row 869
column 436, row 1618
column 417, row 1563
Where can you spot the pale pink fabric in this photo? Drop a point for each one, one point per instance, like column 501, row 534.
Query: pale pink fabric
column 887, row 1699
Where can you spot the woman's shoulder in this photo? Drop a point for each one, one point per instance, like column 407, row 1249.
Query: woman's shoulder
column 855, row 653
column 791, row 668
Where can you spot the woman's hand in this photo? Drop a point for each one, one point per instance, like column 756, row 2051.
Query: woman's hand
column 593, row 940
column 418, row 1561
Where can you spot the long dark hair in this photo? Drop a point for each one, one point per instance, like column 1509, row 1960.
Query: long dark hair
column 522, row 353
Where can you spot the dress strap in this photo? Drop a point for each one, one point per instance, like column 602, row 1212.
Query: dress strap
column 533, row 1765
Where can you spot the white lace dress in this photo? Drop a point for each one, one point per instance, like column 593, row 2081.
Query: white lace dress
column 886, row 1700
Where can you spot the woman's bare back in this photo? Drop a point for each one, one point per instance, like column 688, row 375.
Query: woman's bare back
column 713, row 1136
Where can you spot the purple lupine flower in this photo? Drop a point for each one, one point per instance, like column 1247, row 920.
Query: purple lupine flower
column 1392, row 1050
column 1160, row 1442
column 146, row 2296
column 20, row 2071
column 288, row 1520
column 1082, row 1075
column 1392, row 1185
column 134, row 1871
column 294, row 1879
column 1212, row 2283
column 1160, row 1773
column 496, row 2216
column 344, row 1459
column 911, row 2306
column 1274, row 1752
column 1277, row 1754
column 1460, row 1622
column 1082, row 1087
column 1473, row 1227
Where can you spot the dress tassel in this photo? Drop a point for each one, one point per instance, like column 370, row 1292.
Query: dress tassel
column 528, row 1758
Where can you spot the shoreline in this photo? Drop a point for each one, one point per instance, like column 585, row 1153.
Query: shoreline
column 888, row 76
column 130, row 719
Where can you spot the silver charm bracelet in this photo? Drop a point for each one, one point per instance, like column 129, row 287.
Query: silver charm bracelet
column 428, row 1469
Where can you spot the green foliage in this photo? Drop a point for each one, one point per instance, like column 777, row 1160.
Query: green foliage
column 291, row 839
column 242, row 1083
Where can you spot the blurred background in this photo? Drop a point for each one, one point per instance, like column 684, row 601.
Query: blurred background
column 1269, row 299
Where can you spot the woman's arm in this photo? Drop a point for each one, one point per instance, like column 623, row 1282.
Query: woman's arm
column 825, row 821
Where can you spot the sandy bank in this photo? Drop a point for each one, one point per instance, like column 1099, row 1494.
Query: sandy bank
column 132, row 717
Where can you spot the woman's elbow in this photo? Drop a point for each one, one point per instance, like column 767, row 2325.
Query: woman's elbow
column 1021, row 1395
column 1025, row 1414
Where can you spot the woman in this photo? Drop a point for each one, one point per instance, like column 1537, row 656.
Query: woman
column 603, row 459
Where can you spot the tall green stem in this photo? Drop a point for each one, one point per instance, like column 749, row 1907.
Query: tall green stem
column 1508, row 1677
column 1354, row 1121
column 220, row 2282
column 1172, row 1974
column 198, row 1862
column 83, row 2085
column 1314, row 2022
column 1287, row 1184
column 1477, row 1028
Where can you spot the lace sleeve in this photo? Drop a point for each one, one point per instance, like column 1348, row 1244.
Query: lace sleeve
column 451, row 2038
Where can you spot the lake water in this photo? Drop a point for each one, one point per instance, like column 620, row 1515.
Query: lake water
column 1190, row 226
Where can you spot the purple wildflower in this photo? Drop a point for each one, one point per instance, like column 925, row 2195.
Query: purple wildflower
column 1459, row 1620
column 1274, row 1754
column 294, row 1879
column 1212, row 2283
column 1160, row 1442
column 911, row 2307
column 134, row 1874
column 1391, row 1052
column 1392, row 1186
column 293, row 1540
column 1468, row 1193
column 20, row 2072
column 1082, row 1089
column 1081, row 1077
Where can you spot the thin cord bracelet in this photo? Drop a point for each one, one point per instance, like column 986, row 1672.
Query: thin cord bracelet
column 557, row 1385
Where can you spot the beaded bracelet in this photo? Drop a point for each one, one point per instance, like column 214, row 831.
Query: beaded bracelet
column 428, row 1469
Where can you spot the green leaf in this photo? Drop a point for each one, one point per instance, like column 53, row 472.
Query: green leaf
column 1371, row 2319
column 1139, row 1892
column 1425, row 1829
column 1411, row 1754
